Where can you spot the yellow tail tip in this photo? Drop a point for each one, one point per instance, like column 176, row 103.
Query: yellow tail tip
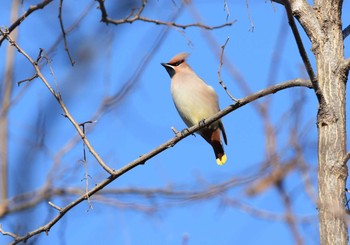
column 221, row 161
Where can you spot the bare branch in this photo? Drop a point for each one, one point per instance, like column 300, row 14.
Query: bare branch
column 262, row 213
column 54, row 206
column 86, row 172
column 227, row 9
column 172, row 24
column 142, row 159
column 30, row 199
column 27, row 79
column 346, row 66
column 137, row 17
column 6, row 233
column 346, row 32
column 30, row 10
column 57, row 95
column 346, row 158
column 290, row 216
column 274, row 178
column 103, row 11
column 64, row 33
column 303, row 53
column 219, row 71
column 250, row 18
column 175, row 130
column 73, row 26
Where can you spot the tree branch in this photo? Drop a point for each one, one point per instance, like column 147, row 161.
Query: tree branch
column 103, row 11
column 132, row 18
column 170, row 143
column 303, row 53
column 6, row 233
column 57, row 96
column 6, row 93
column 64, row 33
column 346, row 32
column 30, row 10
column 346, row 66
column 219, row 71
column 346, row 158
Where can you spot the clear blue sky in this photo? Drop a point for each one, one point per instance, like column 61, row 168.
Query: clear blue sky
column 107, row 57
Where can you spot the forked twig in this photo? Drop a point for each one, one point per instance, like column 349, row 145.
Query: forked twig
column 57, row 96
column 219, row 71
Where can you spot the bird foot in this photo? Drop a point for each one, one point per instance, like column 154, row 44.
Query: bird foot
column 202, row 122
column 184, row 131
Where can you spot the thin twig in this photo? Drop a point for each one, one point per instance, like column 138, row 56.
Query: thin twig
column 176, row 132
column 138, row 17
column 48, row 60
column 73, row 26
column 250, row 18
column 86, row 172
column 103, row 11
column 6, row 233
column 227, row 10
column 54, row 206
column 219, row 71
column 264, row 214
column 172, row 24
column 64, row 33
column 27, row 79
column 346, row 32
column 289, row 215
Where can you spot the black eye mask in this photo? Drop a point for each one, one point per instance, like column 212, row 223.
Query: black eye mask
column 177, row 63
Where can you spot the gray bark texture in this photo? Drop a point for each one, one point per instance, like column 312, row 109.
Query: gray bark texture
column 322, row 23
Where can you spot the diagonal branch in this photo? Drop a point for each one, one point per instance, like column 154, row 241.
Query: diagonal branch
column 346, row 32
column 219, row 71
column 170, row 143
column 64, row 35
column 303, row 53
column 57, row 96
column 30, row 10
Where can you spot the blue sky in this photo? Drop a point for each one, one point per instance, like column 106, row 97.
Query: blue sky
column 107, row 58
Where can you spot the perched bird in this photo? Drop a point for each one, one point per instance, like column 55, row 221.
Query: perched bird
column 196, row 101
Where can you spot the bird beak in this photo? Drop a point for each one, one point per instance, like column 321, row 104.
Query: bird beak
column 169, row 69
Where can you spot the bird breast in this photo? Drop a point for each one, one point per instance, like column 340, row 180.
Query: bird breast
column 193, row 98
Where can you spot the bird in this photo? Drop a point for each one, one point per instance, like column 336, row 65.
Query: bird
column 196, row 101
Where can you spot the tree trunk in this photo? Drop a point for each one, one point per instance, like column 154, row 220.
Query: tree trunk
column 332, row 171
column 322, row 24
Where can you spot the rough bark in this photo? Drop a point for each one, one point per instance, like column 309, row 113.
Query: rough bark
column 322, row 24
column 332, row 172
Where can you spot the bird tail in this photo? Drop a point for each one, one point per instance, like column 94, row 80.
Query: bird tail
column 214, row 139
column 219, row 152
